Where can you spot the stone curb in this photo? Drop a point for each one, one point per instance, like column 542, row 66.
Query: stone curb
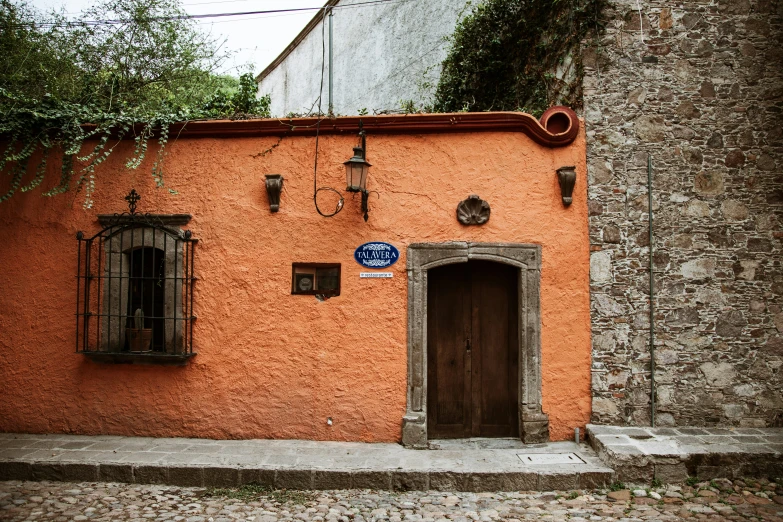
column 303, row 479
column 635, row 457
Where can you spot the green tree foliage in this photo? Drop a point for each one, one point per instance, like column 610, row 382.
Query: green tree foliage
column 517, row 55
column 30, row 62
column 126, row 68
column 237, row 99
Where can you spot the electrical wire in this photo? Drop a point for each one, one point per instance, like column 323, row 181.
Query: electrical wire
column 188, row 4
column 316, row 190
column 249, row 18
column 89, row 23
column 641, row 22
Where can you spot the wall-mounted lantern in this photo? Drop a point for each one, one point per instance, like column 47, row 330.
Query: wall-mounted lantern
column 567, row 178
column 356, row 170
column 274, row 185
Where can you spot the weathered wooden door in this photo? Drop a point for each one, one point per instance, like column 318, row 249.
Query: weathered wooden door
column 472, row 351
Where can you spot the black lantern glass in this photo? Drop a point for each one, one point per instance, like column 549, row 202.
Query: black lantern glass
column 356, row 171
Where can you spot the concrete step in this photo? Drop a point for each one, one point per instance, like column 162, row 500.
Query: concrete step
column 673, row 454
column 474, row 465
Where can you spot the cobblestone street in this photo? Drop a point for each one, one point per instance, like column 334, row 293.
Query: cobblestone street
column 61, row 501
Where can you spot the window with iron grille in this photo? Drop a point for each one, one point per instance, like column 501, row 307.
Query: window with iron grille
column 135, row 288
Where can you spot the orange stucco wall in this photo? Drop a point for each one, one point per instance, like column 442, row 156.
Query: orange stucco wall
column 271, row 364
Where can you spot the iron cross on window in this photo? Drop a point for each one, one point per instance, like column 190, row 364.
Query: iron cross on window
column 132, row 198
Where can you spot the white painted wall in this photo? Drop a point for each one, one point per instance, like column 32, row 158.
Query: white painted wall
column 383, row 53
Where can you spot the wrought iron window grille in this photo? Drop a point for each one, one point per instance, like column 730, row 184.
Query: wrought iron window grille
column 134, row 287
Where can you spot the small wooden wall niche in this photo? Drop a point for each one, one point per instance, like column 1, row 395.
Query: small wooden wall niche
column 319, row 279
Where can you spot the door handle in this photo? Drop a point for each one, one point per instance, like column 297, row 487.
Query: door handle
column 467, row 344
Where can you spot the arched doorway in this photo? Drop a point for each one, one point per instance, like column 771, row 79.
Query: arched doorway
column 423, row 261
column 472, row 350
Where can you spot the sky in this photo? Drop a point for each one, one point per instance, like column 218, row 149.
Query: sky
column 253, row 40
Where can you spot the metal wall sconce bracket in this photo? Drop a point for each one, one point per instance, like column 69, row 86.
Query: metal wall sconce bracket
column 274, row 185
column 356, row 170
column 365, row 204
column 473, row 211
column 567, row 178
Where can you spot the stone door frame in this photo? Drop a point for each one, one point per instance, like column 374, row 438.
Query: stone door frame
column 421, row 257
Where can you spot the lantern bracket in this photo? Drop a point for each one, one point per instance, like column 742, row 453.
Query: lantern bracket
column 365, row 200
column 364, row 139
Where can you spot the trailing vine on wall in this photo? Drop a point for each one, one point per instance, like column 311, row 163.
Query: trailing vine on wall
column 70, row 91
column 518, row 55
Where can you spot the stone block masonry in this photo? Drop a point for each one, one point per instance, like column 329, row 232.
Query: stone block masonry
column 698, row 86
column 671, row 455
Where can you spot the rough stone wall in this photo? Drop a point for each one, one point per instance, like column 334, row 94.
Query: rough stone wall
column 698, row 87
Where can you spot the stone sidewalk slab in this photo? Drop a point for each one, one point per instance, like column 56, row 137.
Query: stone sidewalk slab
column 673, row 454
column 472, row 465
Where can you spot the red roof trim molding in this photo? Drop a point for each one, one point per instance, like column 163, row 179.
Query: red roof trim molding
column 557, row 127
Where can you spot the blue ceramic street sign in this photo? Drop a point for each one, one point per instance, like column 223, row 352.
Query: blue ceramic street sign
column 376, row 255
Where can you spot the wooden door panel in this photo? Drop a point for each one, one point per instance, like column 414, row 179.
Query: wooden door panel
column 495, row 349
column 448, row 369
column 472, row 350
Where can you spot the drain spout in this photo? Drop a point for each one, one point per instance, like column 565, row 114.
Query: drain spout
column 331, row 40
column 652, row 292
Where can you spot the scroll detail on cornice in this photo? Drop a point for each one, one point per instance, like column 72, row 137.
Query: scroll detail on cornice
column 557, row 127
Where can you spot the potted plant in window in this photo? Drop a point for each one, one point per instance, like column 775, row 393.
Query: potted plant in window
column 139, row 338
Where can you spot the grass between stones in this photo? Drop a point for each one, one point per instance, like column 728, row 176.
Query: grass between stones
column 249, row 492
